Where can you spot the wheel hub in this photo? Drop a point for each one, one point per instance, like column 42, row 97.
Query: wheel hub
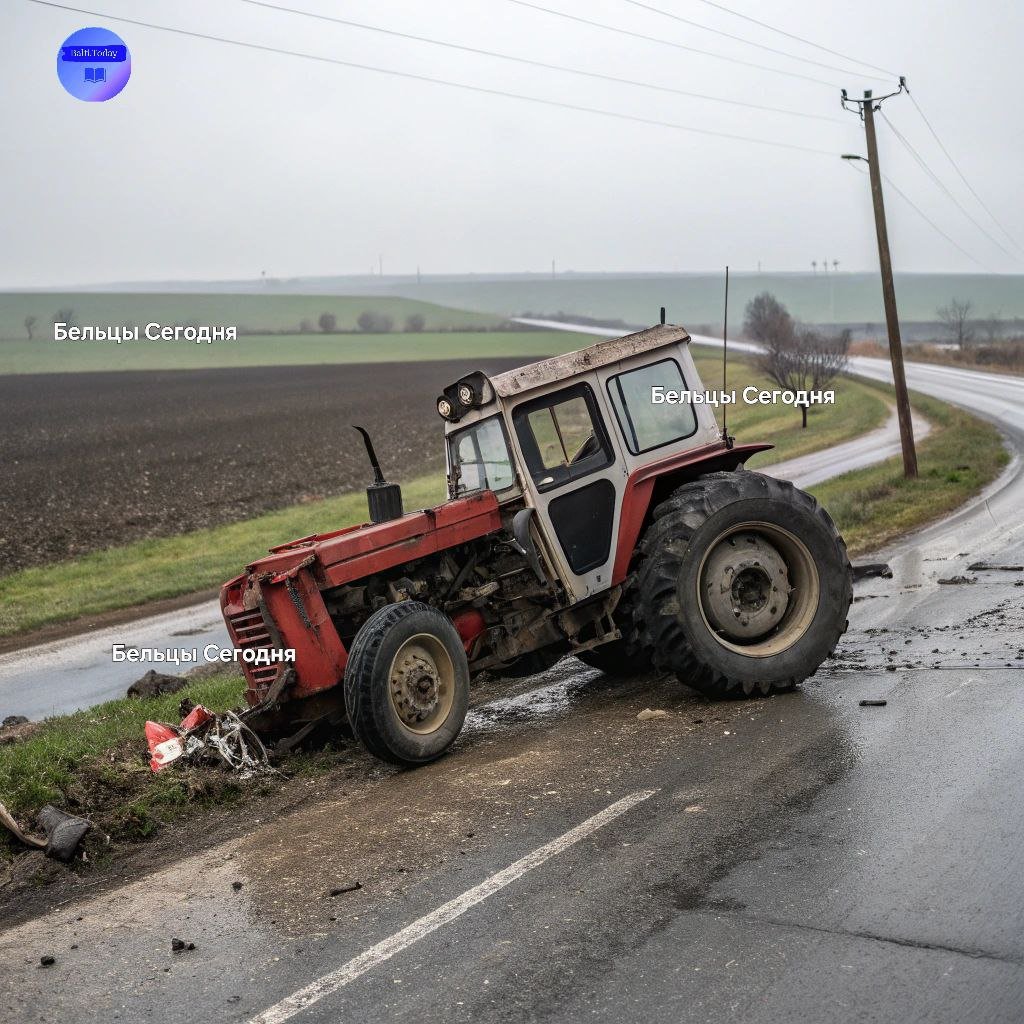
column 415, row 688
column 745, row 589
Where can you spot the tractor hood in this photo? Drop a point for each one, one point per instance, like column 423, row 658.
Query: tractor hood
column 359, row 551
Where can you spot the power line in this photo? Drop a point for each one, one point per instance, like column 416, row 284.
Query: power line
column 667, row 42
column 942, row 185
column 963, row 177
column 437, row 81
column 537, row 63
column 921, row 214
column 741, row 39
column 799, row 39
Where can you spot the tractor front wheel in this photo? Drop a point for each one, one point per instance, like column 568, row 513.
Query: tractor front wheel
column 407, row 683
column 743, row 584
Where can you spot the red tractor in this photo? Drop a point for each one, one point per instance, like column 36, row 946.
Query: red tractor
column 583, row 518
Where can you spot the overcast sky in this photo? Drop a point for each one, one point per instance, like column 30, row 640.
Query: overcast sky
column 221, row 162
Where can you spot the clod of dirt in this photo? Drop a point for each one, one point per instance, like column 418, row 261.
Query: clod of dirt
column 956, row 581
column 236, row 886
column 154, row 683
column 16, row 728
column 348, row 887
column 178, row 945
column 647, row 714
column 47, row 961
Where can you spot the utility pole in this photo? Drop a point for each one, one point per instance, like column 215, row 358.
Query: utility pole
column 867, row 108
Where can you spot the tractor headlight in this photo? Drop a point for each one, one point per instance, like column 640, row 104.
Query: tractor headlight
column 467, row 396
column 444, row 407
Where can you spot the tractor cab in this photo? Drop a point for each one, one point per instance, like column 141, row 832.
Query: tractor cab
column 572, row 436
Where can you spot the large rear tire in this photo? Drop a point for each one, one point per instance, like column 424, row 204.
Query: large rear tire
column 407, row 683
column 743, row 585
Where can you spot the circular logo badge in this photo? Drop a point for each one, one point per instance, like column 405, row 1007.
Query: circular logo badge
column 94, row 64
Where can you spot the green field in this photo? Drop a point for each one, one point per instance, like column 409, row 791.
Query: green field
column 48, row 356
column 250, row 313
column 695, row 299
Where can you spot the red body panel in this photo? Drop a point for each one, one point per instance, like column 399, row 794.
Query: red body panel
column 636, row 498
column 277, row 603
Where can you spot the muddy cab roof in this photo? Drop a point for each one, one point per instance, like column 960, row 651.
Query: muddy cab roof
column 557, row 368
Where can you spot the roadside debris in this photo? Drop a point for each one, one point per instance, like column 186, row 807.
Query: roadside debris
column 180, row 945
column 873, row 703
column 866, row 570
column 47, row 961
column 154, row 683
column 12, row 720
column 63, row 832
column 992, row 567
column 647, row 714
column 204, row 736
column 956, row 581
column 342, row 889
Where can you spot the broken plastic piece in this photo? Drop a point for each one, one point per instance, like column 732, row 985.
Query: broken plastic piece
column 165, row 745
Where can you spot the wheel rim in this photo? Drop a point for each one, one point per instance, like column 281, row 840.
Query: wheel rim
column 757, row 589
column 421, row 683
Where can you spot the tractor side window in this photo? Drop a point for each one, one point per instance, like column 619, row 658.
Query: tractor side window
column 644, row 425
column 480, row 457
column 562, row 436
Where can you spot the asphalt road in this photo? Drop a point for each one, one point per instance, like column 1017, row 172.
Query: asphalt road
column 799, row 858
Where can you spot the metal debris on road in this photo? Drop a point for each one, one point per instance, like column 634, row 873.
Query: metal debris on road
column 200, row 734
column 340, row 890
column 866, row 570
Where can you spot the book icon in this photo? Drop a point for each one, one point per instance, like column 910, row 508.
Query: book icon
column 95, row 74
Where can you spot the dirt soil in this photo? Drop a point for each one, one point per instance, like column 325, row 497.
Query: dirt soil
column 93, row 460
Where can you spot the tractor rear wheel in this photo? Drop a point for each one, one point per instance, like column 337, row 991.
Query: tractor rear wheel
column 743, row 585
column 407, row 683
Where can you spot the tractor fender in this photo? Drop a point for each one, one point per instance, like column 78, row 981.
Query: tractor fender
column 649, row 484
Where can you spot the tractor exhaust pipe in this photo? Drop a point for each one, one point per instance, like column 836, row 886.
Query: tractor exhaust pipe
column 383, row 499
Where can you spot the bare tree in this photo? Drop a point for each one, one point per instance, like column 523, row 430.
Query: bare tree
column 64, row 315
column 795, row 359
column 30, row 322
column 767, row 320
column 328, row 322
column 305, row 326
column 956, row 321
column 415, row 322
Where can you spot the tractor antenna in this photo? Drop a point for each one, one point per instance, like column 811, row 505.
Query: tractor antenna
column 725, row 362
column 378, row 476
column 663, row 314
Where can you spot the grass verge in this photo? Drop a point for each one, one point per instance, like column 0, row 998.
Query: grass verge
column 164, row 567
column 95, row 763
column 875, row 505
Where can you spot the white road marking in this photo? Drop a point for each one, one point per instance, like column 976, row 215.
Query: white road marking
column 386, row 949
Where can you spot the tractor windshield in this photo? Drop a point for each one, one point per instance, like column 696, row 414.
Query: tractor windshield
column 480, row 459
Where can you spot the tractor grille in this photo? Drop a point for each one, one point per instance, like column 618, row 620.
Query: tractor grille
column 250, row 632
